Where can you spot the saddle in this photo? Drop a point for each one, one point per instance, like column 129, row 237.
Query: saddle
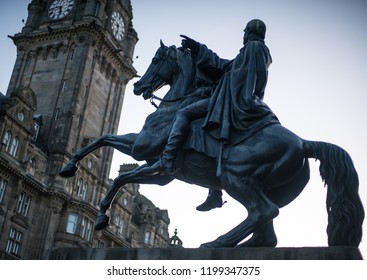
column 201, row 141
column 208, row 143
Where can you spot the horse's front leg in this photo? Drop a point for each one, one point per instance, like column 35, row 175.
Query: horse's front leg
column 125, row 178
column 123, row 143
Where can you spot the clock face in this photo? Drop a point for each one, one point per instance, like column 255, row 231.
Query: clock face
column 117, row 26
column 60, row 9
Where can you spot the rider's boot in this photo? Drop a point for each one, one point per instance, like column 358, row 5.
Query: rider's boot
column 214, row 200
column 165, row 166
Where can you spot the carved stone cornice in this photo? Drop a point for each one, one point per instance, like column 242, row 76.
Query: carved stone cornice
column 89, row 33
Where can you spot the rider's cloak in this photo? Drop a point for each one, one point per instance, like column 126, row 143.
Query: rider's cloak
column 236, row 109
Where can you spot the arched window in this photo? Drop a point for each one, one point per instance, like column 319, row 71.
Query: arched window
column 81, row 189
column 121, row 227
column 6, row 140
column 79, row 186
column 14, row 146
column 85, row 189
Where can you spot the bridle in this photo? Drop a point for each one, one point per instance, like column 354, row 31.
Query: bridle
column 161, row 59
column 163, row 100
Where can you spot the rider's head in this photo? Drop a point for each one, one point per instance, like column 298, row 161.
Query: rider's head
column 255, row 28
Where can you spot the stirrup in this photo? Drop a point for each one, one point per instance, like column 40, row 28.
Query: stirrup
column 158, row 168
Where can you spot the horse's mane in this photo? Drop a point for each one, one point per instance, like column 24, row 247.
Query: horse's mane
column 185, row 70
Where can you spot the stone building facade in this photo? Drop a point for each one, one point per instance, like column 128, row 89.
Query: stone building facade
column 74, row 59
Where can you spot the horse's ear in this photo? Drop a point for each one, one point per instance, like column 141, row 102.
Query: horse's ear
column 162, row 44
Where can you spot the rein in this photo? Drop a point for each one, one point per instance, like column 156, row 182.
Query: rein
column 194, row 93
column 164, row 100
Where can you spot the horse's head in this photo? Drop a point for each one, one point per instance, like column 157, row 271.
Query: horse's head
column 164, row 67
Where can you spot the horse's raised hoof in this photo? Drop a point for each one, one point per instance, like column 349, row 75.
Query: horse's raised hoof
column 69, row 170
column 101, row 222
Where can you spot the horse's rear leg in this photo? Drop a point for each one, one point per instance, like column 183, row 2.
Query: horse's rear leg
column 260, row 210
column 123, row 143
column 264, row 236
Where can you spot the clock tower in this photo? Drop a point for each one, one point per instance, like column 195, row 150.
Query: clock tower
column 74, row 59
column 76, row 56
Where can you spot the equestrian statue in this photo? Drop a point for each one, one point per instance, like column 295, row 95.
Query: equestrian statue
column 213, row 129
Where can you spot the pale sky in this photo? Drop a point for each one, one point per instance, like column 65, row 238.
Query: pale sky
column 317, row 87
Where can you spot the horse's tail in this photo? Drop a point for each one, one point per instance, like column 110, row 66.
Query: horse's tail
column 344, row 206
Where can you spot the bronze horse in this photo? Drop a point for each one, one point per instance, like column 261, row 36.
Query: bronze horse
column 264, row 173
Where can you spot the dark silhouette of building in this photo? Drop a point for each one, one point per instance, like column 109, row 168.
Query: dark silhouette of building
column 74, row 59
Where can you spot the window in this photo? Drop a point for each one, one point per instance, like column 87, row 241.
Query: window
column 85, row 189
column 96, row 8
column 79, row 185
column 24, row 202
column 80, row 118
column 57, row 114
column 89, row 231
column 147, row 237
column 72, row 54
column 125, row 201
column 32, row 162
column 36, row 130
column 28, row 61
column 63, row 86
column 84, row 227
column 6, row 140
column 11, row 145
column 81, row 191
column 14, row 242
column 3, row 185
column 86, row 91
column 14, row 146
column 37, row 125
column 72, row 222
column 119, row 224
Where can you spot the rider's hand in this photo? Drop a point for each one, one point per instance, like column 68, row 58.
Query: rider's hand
column 189, row 43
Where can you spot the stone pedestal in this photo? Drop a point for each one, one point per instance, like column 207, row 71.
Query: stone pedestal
column 304, row 253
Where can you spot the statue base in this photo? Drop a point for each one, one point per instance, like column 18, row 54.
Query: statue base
column 302, row 253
